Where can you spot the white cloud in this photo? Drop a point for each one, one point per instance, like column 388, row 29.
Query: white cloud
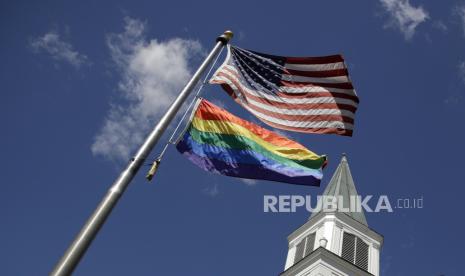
column 59, row 50
column 241, row 35
column 283, row 133
column 218, row 103
column 454, row 99
column 457, row 97
column 460, row 11
column 152, row 73
column 440, row 25
column 404, row 16
column 249, row 182
column 461, row 68
column 212, row 191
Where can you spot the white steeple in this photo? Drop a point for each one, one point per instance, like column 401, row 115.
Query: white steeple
column 335, row 242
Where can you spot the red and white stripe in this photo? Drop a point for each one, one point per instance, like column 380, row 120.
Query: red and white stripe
column 315, row 96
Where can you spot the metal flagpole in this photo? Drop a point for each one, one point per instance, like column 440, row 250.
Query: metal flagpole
column 73, row 255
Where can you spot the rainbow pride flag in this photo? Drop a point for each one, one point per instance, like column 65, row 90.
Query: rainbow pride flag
column 219, row 142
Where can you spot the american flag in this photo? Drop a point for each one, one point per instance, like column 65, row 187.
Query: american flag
column 304, row 94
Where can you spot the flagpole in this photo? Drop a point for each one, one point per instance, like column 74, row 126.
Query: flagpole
column 81, row 243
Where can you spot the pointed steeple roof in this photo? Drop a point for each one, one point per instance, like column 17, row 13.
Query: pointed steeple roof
column 342, row 184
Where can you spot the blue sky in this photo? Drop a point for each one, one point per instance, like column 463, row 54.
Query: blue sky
column 82, row 83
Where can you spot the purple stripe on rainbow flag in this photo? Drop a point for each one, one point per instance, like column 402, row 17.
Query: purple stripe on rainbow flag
column 244, row 170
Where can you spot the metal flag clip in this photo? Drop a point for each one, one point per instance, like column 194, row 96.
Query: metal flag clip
column 153, row 169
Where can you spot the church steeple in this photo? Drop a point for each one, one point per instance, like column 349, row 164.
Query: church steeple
column 335, row 242
column 342, row 186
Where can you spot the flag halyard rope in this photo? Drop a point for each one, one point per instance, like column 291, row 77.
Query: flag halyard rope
column 156, row 163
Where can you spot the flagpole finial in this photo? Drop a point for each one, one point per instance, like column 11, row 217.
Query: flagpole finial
column 225, row 37
column 344, row 157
